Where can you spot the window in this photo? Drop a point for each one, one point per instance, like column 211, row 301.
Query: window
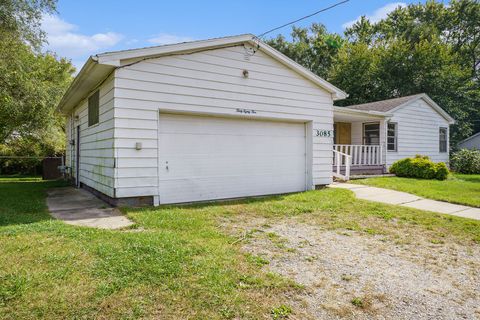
column 392, row 136
column 443, row 133
column 93, row 108
column 371, row 133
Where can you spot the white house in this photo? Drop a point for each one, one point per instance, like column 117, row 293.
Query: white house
column 379, row 133
column 203, row 120
column 225, row 118
column 472, row 142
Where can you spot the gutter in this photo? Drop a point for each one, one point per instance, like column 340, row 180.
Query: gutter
column 76, row 82
column 364, row 112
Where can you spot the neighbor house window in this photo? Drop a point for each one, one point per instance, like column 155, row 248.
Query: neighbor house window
column 371, row 133
column 443, row 139
column 93, row 108
column 392, row 136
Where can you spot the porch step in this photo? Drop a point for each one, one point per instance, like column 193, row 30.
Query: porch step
column 362, row 170
column 365, row 176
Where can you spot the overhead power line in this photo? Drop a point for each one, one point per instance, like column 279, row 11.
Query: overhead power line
column 303, row 18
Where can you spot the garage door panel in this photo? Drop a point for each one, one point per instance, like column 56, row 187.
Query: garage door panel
column 204, row 158
column 195, row 124
column 211, row 188
column 243, row 165
column 171, row 144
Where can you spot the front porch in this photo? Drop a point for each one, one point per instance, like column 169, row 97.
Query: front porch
column 359, row 143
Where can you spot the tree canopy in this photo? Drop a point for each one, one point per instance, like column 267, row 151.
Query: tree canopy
column 431, row 48
column 31, row 82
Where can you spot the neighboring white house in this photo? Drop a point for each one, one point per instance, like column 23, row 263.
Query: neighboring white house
column 472, row 142
column 203, row 120
column 379, row 133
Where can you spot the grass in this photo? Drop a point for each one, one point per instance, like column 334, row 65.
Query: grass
column 179, row 264
column 180, row 267
column 458, row 188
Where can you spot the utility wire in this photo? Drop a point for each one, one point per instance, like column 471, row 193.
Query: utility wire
column 303, row 18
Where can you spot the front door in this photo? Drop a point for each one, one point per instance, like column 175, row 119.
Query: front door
column 343, row 133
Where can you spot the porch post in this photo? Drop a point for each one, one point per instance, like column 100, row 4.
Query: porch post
column 383, row 141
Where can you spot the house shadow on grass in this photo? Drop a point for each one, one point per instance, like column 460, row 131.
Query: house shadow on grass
column 22, row 201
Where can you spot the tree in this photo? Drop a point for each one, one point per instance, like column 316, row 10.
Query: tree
column 429, row 48
column 314, row 48
column 31, row 85
column 21, row 19
column 31, row 82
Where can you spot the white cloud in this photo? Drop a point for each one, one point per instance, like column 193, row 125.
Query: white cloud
column 65, row 39
column 165, row 38
column 379, row 14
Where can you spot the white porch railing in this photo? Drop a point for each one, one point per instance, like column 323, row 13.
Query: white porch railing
column 362, row 155
column 341, row 159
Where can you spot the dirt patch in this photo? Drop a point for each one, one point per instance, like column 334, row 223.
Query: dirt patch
column 350, row 275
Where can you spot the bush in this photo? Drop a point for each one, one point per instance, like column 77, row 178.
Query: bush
column 419, row 167
column 466, row 161
column 441, row 171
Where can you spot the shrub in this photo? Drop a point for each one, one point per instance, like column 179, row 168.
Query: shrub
column 441, row 171
column 419, row 167
column 466, row 161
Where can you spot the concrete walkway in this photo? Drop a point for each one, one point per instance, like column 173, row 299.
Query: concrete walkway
column 81, row 208
column 408, row 200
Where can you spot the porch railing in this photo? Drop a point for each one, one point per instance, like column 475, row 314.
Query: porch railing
column 341, row 159
column 362, row 155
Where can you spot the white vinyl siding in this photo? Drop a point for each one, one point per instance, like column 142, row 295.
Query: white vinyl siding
column 96, row 142
column 418, row 132
column 211, row 83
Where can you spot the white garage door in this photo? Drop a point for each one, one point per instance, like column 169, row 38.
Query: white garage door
column 205, row 158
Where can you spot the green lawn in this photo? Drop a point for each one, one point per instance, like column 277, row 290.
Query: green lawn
column 458, row 188
column 178, row 263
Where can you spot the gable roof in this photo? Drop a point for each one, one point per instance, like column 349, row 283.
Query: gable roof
column 98, row 67
column 470, row 138
column 391, row 105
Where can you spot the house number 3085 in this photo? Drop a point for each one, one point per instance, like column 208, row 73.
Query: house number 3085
column 323, row 133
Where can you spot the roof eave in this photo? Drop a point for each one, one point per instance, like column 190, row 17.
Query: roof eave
column 337, row 94
column 470, row 138
column 365, row 112
column 116, row 58
column 75, row 84
column 85, row 82
column 104, row 63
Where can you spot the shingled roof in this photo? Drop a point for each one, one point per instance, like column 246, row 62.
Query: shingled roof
column 384, row 105
column 390, row 105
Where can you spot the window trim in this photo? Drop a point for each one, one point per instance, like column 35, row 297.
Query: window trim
column 93, row 122
column 440, row 141
column 395, row 137
column 363, row 133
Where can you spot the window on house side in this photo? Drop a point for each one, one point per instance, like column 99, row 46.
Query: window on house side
column 443, row 139
column 371, row 134
column 392, row 136
column 93, row 108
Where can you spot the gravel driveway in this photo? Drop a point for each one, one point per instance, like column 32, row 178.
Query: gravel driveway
column 352, row 275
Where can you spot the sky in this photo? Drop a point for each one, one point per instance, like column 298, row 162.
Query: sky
column 87, row 27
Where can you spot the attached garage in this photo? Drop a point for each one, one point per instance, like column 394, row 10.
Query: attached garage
column 204, row 120
column 206, row 158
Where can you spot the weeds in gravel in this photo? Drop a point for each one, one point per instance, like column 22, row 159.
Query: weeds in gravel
column 281, row 312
